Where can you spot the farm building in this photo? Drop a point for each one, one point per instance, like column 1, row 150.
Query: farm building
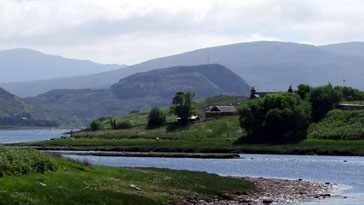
column 219, row 111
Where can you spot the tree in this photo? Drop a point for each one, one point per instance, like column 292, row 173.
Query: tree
column 350, row 94
column 323, row 99
column 112, row 123
column 95, row 125
column 303, row 90
column 276, row 118
column 183, row 105
column 156, row 118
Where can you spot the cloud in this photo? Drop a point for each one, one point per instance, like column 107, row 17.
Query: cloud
column 130, row 31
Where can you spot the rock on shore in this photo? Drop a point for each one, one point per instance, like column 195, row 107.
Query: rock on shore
column 271, row 191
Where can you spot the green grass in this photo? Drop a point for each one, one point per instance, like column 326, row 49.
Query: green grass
column 205, row 136
column 345, row 125
column 79, row 183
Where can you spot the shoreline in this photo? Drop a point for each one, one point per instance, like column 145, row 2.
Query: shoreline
column 156, row 154
column 271, row 191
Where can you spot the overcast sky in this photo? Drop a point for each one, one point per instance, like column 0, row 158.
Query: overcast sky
column 132, row 31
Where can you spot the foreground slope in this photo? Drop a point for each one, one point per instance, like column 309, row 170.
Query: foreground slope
column 269, row 66
column 142, row 91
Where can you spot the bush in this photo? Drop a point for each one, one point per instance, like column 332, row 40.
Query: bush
column 124, row 125
column 156, row 118
column 95, row 125
column 22, row 161
column 323, row 99
column 276, row 118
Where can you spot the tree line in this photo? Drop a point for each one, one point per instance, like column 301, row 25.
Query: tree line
column 284, row 117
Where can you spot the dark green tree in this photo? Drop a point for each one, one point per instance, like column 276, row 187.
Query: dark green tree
column 303, row 90
column 323, row 99
column 156, row 118
column 112, row 123
column 95, row 125
column 183, row 106
column 276, row 118
column 350, row 94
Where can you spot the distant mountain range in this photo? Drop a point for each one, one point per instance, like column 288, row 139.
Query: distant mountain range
column 269, row 66
column 20, row 65
column 142, row 91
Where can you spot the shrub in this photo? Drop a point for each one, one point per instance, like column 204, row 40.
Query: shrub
column 22, row 161
column 323, row 99
column 124, row 125
column 156, row 118
column 276, row 118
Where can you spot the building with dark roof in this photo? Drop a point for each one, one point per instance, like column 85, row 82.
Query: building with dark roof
column 219, row 111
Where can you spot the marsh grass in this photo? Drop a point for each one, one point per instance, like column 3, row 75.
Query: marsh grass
column 23, row 161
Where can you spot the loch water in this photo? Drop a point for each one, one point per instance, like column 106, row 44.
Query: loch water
column 14, row 136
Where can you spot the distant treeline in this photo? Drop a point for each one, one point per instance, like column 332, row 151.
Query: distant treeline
column 20, row 121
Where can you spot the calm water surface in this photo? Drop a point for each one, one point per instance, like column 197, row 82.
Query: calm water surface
column 13, row 136
column 347, row 172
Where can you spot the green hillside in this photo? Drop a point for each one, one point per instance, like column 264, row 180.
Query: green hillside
column 15, row 112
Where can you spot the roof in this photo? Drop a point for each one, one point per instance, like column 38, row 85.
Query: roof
column 224, row 109
column 353, row 105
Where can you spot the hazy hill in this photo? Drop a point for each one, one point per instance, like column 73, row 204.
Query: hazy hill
column 204, row 80
column 142, row 91
column 18, row 65
column 354, row 49
column 269, row 66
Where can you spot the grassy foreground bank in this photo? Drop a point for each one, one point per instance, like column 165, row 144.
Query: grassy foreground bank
column 71, row 182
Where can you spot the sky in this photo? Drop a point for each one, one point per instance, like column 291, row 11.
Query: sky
column 132, row 31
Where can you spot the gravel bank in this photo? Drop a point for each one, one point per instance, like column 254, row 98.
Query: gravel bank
column 272, row 191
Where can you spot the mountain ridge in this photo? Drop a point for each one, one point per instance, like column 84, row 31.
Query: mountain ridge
column 266, row 65
column 31, row 65
column 142, row 91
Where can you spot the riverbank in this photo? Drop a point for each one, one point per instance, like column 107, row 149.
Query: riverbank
column 72, row 182
column 153, row 154
column 306, row 147
column 270, row 191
